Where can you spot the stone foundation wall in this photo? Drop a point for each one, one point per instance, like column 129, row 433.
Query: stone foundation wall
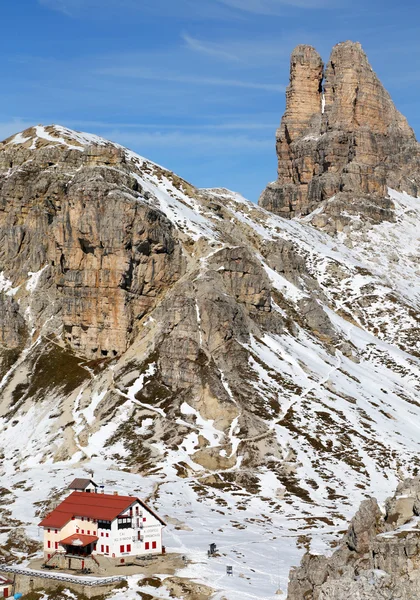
column 29, row 583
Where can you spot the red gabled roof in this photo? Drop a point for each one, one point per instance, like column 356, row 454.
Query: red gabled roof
column 79, row 540
column 105, row 507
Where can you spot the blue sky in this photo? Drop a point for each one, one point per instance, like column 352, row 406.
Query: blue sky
column 195, row 85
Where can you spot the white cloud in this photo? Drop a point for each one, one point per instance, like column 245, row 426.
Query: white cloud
column 136, row 73
column 275, row 7
column 208, row 48
column 187, row 8
column 67, row 7
column 226, row 126
column 256, row 52
column 203, row 144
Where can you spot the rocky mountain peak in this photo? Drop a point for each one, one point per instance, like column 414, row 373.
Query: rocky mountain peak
column 355, row 99
column 304, row 94
column 340, row 134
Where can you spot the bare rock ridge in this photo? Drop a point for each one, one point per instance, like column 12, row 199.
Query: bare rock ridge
column 378, row 559
column 340, row 135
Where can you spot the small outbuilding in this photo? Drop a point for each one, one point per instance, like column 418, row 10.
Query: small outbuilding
column 83, row 485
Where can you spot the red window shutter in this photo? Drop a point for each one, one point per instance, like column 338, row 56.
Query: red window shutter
column 83, row 531
column 49, row 555
column 56, row 546
column 121, row 548
column 107, row 549
column 154, row 545
column 107, row 535
column 49, row 544
column 49, row 530
column 102, row 548
column 128, row 547
column 88, row 532
column 147, row 546
column 56, row 531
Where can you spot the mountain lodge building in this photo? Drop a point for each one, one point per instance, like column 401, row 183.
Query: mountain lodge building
column 87, row 523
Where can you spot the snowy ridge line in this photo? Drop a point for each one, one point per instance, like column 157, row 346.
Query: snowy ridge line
column 64, row 136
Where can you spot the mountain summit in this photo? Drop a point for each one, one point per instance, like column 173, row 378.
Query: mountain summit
column 341, row 136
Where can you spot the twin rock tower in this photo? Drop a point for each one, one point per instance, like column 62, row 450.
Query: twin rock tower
column 341, row 136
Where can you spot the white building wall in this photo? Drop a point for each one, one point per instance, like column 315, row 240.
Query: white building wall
column 90, row 488
column 124, row 542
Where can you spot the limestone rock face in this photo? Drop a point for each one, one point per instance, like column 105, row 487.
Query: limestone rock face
column 304, row 93
column 341, row 136
column 378, row 559
column 104, row 256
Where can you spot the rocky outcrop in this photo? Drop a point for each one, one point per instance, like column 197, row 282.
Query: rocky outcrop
column 105, row 256
column 378, row 559
column 341, row 136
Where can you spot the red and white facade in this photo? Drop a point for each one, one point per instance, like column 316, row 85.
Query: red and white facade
column 116, row 526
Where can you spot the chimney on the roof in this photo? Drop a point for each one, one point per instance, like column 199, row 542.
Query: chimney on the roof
column 102, row 489
column 115, row 493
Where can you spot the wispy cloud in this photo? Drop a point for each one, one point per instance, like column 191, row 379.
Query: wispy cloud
column 211, row 49
column 67, row 7
column 204, row 8
column 234, row 126
column 137, row 73
column 276, row 7
column 190, row 142
column 163, row 8
column 241, row 51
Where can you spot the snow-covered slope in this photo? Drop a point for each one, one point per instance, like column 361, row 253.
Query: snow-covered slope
column 272, row 383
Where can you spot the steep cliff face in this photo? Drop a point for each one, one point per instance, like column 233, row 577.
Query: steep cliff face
column 378, row 558
column 341, row 136
column 68, row 216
